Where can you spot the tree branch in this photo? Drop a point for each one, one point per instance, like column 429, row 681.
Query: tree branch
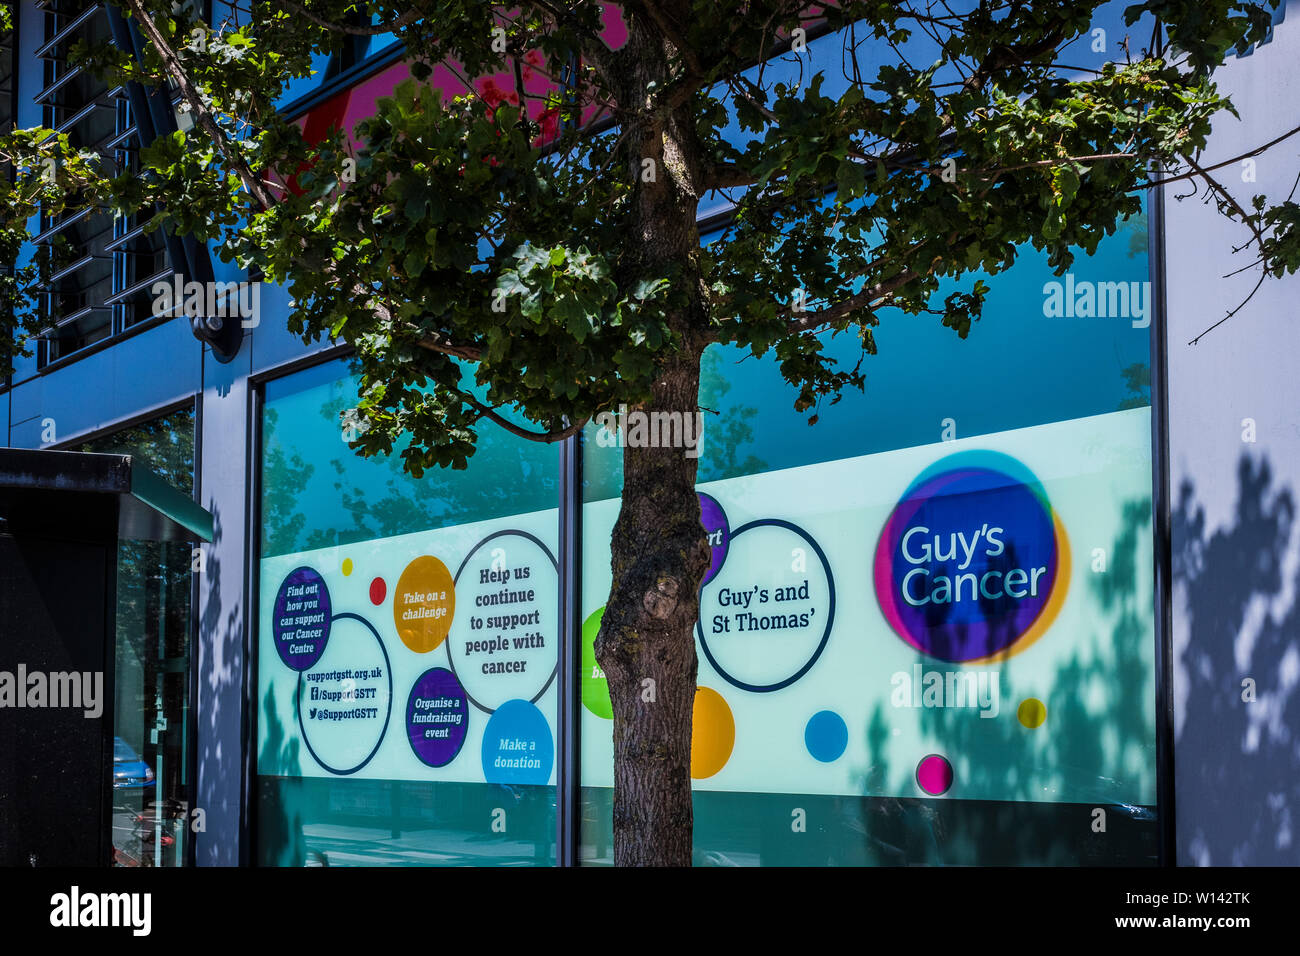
column 816, row 321
column 727, row 176
column 672, row 34
column 407, row 18
column 436, row 342
column 548, row 438
column 256, row 187
column 1227, row 162
column 203, row 117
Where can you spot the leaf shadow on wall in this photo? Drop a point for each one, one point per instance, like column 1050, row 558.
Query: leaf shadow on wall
column 221, row 670
column 1236, row 617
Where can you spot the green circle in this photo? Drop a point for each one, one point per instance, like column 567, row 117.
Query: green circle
column 595, row 688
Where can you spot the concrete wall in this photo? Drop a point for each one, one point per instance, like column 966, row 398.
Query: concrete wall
column 1234, row 443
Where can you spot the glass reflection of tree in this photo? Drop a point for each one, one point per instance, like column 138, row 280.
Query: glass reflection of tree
column 727, row 447
column 1137, row 378
column 284, row 480
column 280, row 838
column 153, row 613
column 729, row 437
column 1135, row 227
column 374, row 497
column 506, row 476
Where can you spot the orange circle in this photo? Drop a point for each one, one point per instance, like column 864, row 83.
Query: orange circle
column 424, row 603
column 713, row 733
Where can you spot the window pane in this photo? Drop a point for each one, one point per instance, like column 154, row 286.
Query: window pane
column 151, row 719
column 407, row 646
column 927, row 636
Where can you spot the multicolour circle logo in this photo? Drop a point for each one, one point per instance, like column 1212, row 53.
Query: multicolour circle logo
column 973, row 564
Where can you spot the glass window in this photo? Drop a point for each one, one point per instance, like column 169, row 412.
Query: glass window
column 927, row 635
column 407, row 645
column 152, row 761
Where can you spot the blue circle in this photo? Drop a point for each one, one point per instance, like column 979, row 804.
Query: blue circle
column 517, row 745
column 826, row 736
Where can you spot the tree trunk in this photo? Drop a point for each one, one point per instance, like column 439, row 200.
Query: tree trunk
column 646, row 644
column 660, row 551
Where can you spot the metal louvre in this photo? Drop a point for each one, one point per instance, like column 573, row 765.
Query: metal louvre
column 97, row 287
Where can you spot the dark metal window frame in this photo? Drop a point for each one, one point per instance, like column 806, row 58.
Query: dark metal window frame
column 1161, row 498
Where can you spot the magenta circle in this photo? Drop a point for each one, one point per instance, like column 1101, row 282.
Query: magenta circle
column 934, row 775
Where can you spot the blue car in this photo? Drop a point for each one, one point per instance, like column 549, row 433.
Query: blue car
column 129, row 771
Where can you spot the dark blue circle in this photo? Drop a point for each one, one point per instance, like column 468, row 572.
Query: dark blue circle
column 434, row 755
column 718, row 554
column 283, row 638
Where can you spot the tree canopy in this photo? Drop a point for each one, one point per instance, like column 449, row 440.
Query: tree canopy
column 493, row 230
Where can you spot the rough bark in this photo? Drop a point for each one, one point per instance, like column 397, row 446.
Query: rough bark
column 660, row 552
column 646, row 644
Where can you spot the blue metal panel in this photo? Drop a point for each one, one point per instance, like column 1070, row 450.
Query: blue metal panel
column 272, row 342
column 29, row 74
column 155, row 368
column 30, row 71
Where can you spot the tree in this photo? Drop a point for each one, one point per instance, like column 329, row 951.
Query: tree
column 503, row 252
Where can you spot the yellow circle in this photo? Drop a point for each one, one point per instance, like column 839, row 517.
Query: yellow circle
column 1031, row 712
column 713, row 733
column 424, row 604
column 347, row 567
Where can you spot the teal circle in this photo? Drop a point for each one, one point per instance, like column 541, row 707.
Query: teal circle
column 517, row 745
column 826, row 736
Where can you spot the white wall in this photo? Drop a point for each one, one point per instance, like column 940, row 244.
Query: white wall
column 1236, row 554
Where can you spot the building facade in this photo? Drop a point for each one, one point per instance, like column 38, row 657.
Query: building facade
column 997, row 609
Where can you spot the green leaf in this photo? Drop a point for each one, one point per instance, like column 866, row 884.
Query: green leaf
column 851, row 180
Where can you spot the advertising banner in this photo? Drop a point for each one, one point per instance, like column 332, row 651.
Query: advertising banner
column 970, row 619
column 422, row 656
